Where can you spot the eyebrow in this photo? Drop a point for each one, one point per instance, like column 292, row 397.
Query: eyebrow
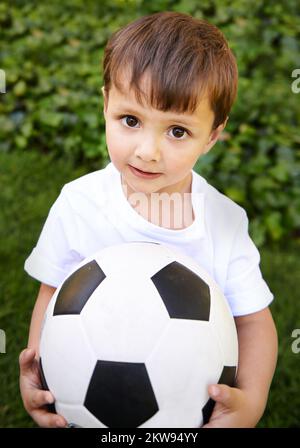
column 177, row 119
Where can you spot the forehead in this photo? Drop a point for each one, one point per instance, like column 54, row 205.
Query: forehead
column 125, row 99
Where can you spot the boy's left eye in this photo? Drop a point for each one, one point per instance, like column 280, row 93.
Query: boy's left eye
column 177, row 131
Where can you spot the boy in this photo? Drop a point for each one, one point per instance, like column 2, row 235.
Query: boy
column 169, row 83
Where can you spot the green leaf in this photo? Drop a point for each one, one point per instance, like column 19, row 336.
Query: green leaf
column 274, row 225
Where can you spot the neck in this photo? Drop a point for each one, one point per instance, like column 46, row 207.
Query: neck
column 170, row 207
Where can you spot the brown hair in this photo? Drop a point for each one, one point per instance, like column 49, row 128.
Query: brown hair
column 186, row 57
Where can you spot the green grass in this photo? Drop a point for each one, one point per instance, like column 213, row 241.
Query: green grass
column 281, row 269
column 29, row 185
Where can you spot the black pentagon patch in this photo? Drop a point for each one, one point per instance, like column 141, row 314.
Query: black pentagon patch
column 184, row 293
column 50, row 407
column 78, row 288
column 227, row 377
column 120, row 394
column 207, row 410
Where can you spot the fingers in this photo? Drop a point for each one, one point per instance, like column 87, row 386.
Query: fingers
column 39, row 398
column 34, row 398
column 225, row 395
column 35, row 406
column 47, row 420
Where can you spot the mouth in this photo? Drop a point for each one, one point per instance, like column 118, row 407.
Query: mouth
column 143, row 174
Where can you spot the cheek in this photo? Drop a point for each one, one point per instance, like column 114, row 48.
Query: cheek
column 118, row 147
column 182, row 163
column 175, row 159
column 112, row 137
column 112, row 146
column 121, row 137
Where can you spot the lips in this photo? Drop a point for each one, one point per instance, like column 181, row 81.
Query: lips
column 144, row 174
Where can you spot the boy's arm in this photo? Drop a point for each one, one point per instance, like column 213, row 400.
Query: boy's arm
column 34, row 398
column 257, row 353
column 43, row 298
column 244, row 405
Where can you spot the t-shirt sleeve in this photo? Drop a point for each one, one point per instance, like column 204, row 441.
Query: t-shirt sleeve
column 53, row 256
column 245, row 289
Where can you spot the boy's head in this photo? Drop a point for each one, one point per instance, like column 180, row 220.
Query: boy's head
column 186, row 57
column 167, row 64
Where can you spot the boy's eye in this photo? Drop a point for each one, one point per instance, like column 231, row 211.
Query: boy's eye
column 130, row 120
column 177, row 131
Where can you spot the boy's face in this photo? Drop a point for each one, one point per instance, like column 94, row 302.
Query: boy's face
column 165, row 143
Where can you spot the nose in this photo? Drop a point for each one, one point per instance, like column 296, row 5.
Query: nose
column 148, row 150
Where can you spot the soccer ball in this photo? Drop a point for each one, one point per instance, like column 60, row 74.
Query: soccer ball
column 133, row 337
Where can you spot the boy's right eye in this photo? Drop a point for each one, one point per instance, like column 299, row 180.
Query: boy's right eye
column 129, row 121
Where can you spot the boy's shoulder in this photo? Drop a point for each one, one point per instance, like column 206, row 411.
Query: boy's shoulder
column 88, row 192
column 219, row 208
column 91, row 186
column 87, row 180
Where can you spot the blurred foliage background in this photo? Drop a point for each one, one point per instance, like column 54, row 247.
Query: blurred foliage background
column 52, row 130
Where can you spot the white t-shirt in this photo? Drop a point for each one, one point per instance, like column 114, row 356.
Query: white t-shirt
column 92, row 212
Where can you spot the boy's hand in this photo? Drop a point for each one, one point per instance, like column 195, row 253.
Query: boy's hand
column 34, row 398
column 234, row 408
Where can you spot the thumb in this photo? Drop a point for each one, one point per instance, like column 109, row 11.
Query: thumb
column 223, row 394
column 26, row 359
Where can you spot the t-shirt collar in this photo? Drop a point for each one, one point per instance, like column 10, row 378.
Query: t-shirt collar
column 195, row 231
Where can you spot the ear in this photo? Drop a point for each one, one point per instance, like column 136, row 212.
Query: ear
column 105, row 100
column 214, row 136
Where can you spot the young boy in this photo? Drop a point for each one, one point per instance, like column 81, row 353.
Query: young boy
column 169, row 83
